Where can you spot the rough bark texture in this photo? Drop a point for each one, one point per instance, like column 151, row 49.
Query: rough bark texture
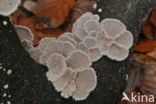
column 28, row 83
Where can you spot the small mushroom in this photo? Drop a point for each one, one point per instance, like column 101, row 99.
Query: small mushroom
column 78, row 60
column 27, row 45
column 91, row 25
column 24, row 33
column 65, row 38
column 7, row 7
column 125, row 40
column 112, row 28
column 62, row 82
column 57, row 67
column 56, row 46
column 117, row 53
column 86, row 81
column 35, row 53
column 45, row 41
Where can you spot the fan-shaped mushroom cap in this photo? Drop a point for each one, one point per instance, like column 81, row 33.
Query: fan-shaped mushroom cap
column 78, row 60
column 62, row 82
column 80, row 33
column 35, row 53
column 64, row 49
column 27, row 45
column 91, row 25
column 86, row 82
column 117, row 53
column 29, row 5
column 112, row 28
column 7, row 7
column 94, row 54
column 125, row 40
column 69, row 89
column 24, row 33
column 103, row 40
column 57, row 67
column 65, row 38
column 45, row 41
column 89, row 42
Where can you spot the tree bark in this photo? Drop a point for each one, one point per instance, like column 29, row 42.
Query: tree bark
column 28, row 83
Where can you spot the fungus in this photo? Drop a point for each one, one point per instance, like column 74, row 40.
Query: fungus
column 114, row 40
column 86, row 82
column 117, row 53
column 27, row 45
column 24, row 33
column 78, row 60
column 56, row 46
column 88, row 45
column 64, row 80
column 7, row 7
column 112, row 28
column 35, row 53
column 44, row 42
column 65, row 38
column 86, row 24
column 56, row 65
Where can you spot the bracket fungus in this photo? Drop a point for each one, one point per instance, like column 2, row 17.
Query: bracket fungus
column 7, row 7
column 70, row 56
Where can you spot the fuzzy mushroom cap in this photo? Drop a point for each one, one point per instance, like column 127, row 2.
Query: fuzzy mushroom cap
column 57, row 67
column 78, row 61
column 86, row 82
column 112, row 28
column 117, row 53
column 62, row 82
column 125, row 40
column 24, row 33
column 55, row 46
column 35, row 53
column 27, row 45
column 85, row 24
column 7, row 7
column 44, row 42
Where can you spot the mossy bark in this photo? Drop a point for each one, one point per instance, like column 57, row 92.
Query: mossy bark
column 28, row 83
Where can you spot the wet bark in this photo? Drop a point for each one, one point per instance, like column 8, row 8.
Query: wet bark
column 28, row 83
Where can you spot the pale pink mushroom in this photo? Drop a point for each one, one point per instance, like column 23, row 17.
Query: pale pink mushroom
column 35, row 53
column 57, row 67
column 27, row 45
column 86, row 81
column 7, row 7
column 91, row 25
column 62, row 82
column 78, row 60
column 24, row 33
column 45, row 41
column 117, row 53
column 125, row 40
column 89, row 46
column 65, row 38
column 112, row 28
column 62, row 48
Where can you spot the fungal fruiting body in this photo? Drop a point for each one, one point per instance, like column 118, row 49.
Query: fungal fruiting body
column 70, row 56
column 7, row 7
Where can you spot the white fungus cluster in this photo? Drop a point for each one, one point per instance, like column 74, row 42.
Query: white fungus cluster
column 69, row 68
column 69, row 57
column 7, row 7
column 108, row 37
